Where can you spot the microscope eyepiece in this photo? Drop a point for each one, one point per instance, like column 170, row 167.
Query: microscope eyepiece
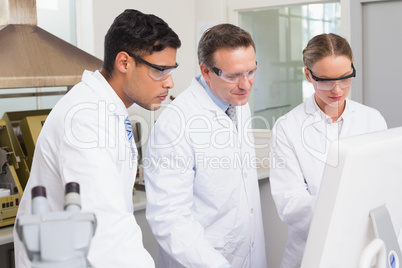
column 38, row 191
column 39, row 200
column 72, row 199
column 72, row 187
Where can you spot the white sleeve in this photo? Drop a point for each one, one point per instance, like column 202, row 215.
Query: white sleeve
column 289, row 189
column 169, row 175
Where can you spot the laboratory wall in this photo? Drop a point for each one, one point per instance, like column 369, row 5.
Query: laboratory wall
column 376, row 38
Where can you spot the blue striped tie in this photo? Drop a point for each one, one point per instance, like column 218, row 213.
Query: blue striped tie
column 129, row 129
column 129, row 132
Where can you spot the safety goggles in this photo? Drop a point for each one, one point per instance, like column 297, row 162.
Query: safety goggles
column 235, row 77
column 329, row 83
column 156, row 72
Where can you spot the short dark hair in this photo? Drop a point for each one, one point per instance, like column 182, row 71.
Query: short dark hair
column 138, row 33
column 221, row 36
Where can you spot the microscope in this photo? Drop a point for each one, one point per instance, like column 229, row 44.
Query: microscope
column 57, row 239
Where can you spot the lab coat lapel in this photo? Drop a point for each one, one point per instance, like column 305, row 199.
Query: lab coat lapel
column 314, row 132
column 314, row 118
column 209, row 105
column 347, row 122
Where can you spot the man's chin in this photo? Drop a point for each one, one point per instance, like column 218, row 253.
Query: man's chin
column 154, row 106
column 240, row 102
column 150, row 107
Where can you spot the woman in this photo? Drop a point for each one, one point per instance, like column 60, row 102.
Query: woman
column 301, row 138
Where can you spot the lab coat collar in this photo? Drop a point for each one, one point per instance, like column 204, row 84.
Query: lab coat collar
column 349, row 110
column 311, row 108
column 97, row 82
column 221, row 103
column 207, row 103
column 318, row 119
column 204, row 99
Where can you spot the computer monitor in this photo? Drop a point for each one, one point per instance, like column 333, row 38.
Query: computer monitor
column 363, row 173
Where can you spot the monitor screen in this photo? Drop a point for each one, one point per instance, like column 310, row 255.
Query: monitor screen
column 363, row 173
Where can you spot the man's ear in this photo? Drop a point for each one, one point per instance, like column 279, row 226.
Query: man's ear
column 121, row 61
column 205, row 72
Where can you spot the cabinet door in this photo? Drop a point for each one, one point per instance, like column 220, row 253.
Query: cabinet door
column 376, row 38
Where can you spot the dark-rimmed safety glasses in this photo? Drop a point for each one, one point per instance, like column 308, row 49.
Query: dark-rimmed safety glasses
column 156, row 72
column 329, row 83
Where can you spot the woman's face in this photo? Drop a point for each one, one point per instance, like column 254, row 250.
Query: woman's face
column 336, row 91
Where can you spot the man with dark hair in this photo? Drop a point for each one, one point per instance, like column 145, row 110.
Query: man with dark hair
column 85, row 139
column 203, row 201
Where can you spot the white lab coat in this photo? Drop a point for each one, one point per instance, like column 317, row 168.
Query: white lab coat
column 203, row 201
column 299, row 145
column 84, row 140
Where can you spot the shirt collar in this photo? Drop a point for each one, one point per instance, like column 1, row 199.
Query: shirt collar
column 221, row 103
column 325, row 117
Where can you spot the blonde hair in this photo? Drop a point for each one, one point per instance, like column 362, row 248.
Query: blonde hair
column 324, row 45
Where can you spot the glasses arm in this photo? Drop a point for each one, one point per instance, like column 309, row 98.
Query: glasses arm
column 217, row 71
column 157, row 67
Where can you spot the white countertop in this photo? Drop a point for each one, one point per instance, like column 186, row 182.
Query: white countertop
column 139, row 200
column 263, row 173
column 6, row 235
